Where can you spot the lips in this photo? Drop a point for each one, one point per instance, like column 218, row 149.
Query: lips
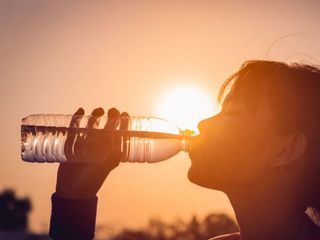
column 194, row 147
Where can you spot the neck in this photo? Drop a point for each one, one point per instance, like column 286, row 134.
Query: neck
column 274, row 215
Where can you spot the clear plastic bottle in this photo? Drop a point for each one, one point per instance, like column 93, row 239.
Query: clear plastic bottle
column 43, row 137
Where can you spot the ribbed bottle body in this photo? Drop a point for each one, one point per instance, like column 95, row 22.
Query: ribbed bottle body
column 43, row 138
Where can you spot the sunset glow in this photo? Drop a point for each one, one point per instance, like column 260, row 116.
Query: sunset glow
column 185, row 106
column 164, row 59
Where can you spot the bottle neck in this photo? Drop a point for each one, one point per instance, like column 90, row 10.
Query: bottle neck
column 185, row 145
column 187, row 136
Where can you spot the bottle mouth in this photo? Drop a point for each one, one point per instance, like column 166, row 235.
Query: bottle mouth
column 187, row 136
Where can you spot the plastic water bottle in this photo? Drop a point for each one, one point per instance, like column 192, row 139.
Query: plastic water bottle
column 43, row 138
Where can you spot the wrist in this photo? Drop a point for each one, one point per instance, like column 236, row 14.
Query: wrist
column 75, row 194
column 72, row 218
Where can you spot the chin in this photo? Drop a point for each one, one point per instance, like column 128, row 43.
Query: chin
column 195, row 176
column 199, row 178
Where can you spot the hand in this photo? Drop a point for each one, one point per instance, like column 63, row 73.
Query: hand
column 95, row 155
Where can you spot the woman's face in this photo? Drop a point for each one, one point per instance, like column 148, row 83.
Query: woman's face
column 235, row 147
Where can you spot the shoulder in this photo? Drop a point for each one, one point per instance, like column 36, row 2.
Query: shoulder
column 233, row 236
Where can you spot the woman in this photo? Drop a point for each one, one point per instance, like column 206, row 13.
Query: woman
column 261, row 150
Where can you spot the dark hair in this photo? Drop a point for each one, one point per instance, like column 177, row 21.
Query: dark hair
column 293, row 91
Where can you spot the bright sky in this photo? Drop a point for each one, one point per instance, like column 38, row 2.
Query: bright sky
column 138, row 56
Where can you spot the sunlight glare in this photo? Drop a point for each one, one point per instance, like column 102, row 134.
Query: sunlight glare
column 186, row 106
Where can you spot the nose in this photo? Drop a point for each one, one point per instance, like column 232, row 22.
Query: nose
column 203, row 127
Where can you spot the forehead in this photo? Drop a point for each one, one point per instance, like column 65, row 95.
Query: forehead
column 250, row 91
column 254, row 81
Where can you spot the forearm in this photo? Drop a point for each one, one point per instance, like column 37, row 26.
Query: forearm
column 74, row 204
column 72, row 218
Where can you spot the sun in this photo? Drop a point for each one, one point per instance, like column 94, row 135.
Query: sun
column 185, row 106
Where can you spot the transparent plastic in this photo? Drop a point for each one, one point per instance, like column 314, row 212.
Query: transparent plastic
column 147, row 139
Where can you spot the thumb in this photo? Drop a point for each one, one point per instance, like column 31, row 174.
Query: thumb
column 114, row 159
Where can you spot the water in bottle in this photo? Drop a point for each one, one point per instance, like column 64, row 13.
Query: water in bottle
column 43, row 138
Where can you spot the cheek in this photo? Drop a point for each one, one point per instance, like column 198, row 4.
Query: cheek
column 242, row 153
column 253, row 155
column 230, row 155
column 217, row 160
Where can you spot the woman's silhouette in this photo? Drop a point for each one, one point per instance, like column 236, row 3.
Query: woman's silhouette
column 262, row 150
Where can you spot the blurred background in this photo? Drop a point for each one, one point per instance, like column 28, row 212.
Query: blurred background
column 150, row 58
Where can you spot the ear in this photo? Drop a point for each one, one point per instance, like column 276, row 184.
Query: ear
column 293, row 147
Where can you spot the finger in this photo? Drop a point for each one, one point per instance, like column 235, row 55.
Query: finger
column 124, row 125
column 114, row 159
column 76, row 118
column 88, row 137
column 93, row 121
column 113, row 119
column 69, row 144
column 124, row 121
column 113, row 123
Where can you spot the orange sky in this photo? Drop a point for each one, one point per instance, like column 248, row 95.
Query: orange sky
column 60, row 55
